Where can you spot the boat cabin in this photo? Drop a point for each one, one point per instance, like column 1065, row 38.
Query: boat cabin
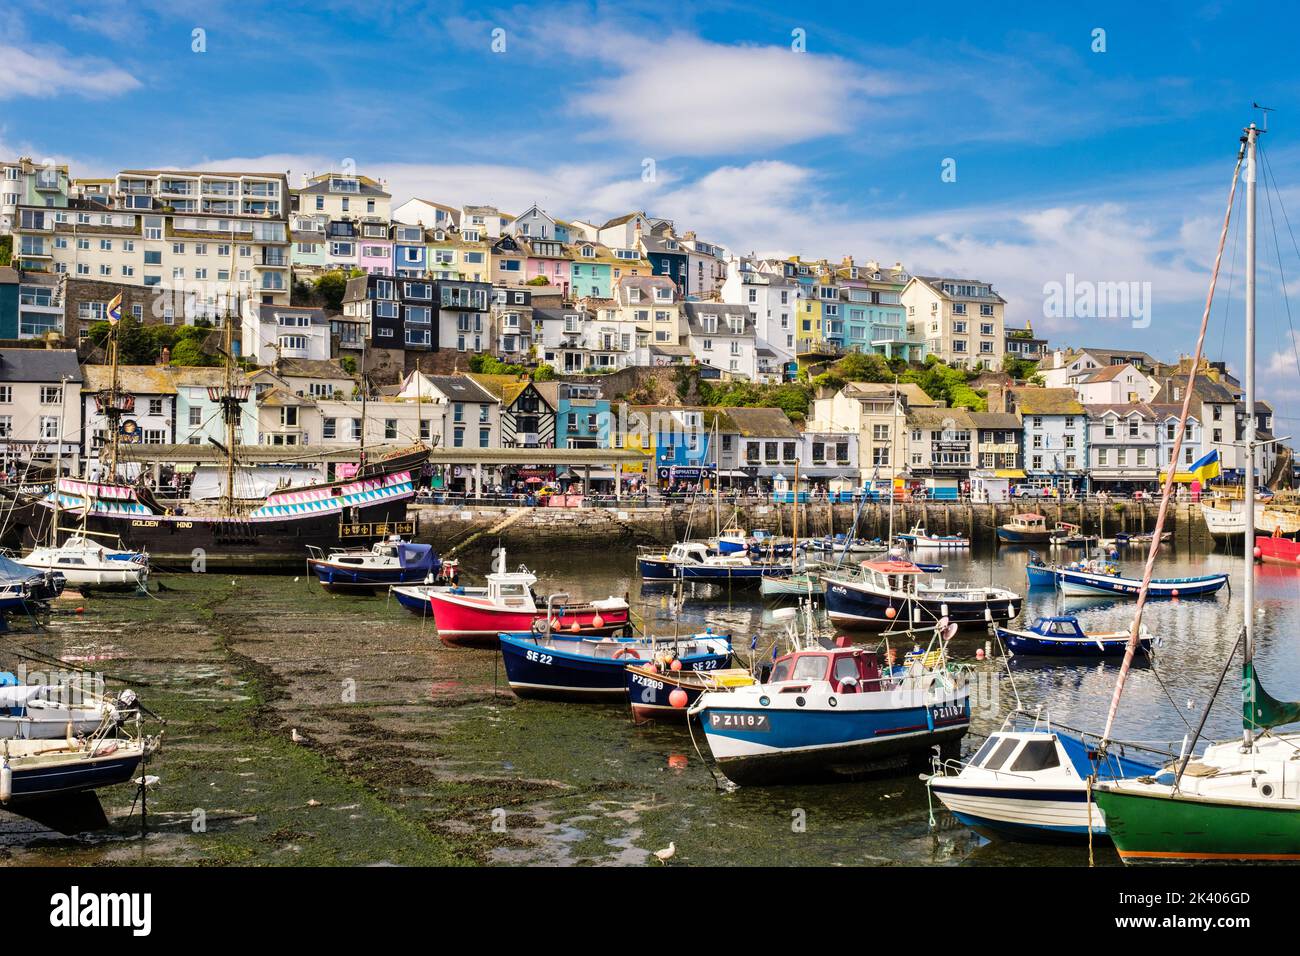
column 892, row 575
column 512, row 590
column 848, row 670
column 1027, row 521
column 1058, row 627
column 391, row 552
column 688, row 552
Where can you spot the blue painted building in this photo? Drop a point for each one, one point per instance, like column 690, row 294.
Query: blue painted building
column 410, row 254
column 583, row 418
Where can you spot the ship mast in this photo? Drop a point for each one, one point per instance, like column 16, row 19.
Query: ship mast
column 230, row 397
column 112, row 403
column 1252, row 135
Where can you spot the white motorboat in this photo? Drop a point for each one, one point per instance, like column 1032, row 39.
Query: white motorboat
column 88, row 564
column 1030, row 781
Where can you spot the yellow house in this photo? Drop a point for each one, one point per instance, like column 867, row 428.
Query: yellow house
column 808, row 321
column 629, row 437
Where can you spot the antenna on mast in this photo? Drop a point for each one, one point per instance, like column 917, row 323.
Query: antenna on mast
column 1265, row 110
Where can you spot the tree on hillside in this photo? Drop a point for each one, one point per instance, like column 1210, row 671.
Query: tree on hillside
column 332, row 285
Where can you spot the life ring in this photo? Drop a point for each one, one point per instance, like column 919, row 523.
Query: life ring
column 627, row 652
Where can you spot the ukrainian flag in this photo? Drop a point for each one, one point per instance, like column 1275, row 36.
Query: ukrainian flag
column 115, row 309
column 1206, row 467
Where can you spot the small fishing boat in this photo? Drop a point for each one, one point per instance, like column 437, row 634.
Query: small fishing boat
column 842, row 544
column 560, row 667
column 1278, row 550
column 833, row 713
column 656, row 691
column 415, row 597
column 802, row 583
column 1063, row 637
column 1042, row 575
column 1069, row 535
column 473, row 617
column 1123, row 538
column 1029, row 781
column 1025, row 528
column 88, row 564
column 733, row 540
column 888, row 593
column 388, row 562
column 918, row 537
column 1087, row 583
column 692, row 561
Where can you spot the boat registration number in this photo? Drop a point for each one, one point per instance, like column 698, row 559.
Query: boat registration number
column 757, row 723
column 647, row 682
column 537, row 657
column 947, row 712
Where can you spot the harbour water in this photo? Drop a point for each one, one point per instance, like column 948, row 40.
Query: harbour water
column 413, row 753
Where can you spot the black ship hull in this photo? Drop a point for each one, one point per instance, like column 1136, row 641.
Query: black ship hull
column 185, row 542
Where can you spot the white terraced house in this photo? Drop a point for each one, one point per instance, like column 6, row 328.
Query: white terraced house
column 205, row 239
column 960, row 320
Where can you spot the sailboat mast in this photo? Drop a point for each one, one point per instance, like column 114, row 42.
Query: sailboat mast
column 893, row 465
column 230, row 418
column 1248, row 506
column 113, row 417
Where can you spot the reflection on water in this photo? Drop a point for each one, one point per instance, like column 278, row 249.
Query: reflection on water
column 879, row 821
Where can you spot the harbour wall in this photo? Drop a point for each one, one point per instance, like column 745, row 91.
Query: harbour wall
column 470, row 526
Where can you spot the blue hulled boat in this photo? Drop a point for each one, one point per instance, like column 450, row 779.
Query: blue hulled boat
column 1063, row 637
column 386, row 563
column 828, row 713
column 1091, row 578
column 884, row 594
column 565, row 668
column 692, row 561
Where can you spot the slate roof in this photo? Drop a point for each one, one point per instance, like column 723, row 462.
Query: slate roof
column 1002, row 421
column 39, row 365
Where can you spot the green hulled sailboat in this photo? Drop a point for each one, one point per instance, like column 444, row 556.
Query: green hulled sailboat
column 1240, row 800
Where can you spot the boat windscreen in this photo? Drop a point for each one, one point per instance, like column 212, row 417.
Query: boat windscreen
column 1037, row 755
column 984, row 751
column 1000, row 755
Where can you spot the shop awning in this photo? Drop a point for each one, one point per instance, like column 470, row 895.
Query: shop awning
column 1008, row 473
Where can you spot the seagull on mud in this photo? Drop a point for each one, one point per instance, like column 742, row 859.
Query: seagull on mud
column 667, row 853
column 297, row 737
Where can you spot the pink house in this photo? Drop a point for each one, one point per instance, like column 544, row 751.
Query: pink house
column 375, row 256
column 547, row 259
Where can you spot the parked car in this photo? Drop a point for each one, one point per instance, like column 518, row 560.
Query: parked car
column 1033, row 491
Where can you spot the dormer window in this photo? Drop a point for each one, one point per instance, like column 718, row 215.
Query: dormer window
column 588, row 251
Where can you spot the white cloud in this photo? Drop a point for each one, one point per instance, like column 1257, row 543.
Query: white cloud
column 42, row 72
column 688, row 96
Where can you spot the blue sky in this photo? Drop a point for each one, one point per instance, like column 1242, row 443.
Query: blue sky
column 1112, row 166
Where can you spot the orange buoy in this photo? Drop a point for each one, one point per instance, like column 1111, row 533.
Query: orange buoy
column 575, row 627
column 890, row 613
column 676, row 665
column 677, row 761
column 678, row 698
column 597, row 621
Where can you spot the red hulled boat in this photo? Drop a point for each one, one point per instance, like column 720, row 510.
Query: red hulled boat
column 473, row 617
